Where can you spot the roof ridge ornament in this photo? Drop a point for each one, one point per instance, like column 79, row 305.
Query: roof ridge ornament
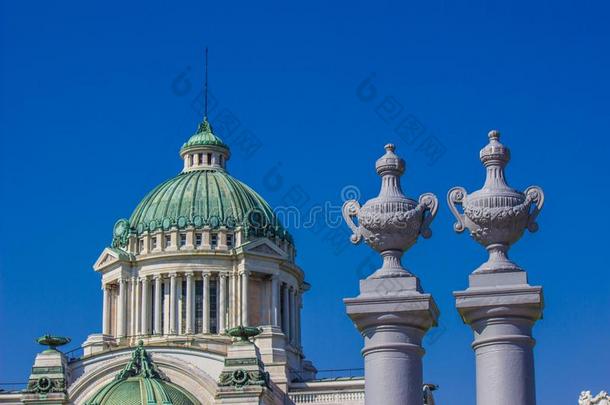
column 140, row 365
column 391, row 222
column 496, row 215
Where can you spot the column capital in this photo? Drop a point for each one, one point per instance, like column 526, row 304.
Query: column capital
column 205, row 274
column 144, row 277
column 189, row 274
column 157, row 276
column 173, row 275
column 245, row 273
column 222, row 275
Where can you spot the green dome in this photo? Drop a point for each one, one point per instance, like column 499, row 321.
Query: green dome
column 203, row 195
column 205, row 198
column 141, row 383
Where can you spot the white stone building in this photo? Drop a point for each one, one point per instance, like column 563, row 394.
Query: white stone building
column 202, row 253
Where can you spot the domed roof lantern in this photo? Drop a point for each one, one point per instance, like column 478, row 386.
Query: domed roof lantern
column 204, row 150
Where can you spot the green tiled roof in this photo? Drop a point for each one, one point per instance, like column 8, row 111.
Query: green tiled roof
column 204, row 137
column 140, row 383
column 205, row 198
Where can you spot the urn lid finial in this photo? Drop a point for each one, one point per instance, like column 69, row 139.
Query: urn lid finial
column 390, row 163
column 494, row 152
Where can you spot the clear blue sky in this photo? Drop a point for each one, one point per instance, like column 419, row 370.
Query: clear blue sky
column 97, row 100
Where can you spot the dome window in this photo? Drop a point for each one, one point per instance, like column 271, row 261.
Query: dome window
column 141, row 245
column 199, row 159
column 198, row 239
column 153, row 243
column 209, row 159
column 229, row 240
column 168, row 240
column 213, row 240
column 183, row 239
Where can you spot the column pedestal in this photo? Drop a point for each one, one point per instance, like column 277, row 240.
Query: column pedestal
column 393, row 315
column 501, row 309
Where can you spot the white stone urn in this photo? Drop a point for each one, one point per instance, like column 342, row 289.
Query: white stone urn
column 391, row 222
column 496, row 215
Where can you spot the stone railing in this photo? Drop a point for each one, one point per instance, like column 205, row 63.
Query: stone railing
column 329, row 398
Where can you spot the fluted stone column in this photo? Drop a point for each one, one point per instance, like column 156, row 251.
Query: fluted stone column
column 275, row 299
column 392, row 312
column 145, row 306
column 222, row 302
column 244, row 298
column 190, row 300
column 121, row 310
column 106, row 310
column 206, row 302
column 499, row 304
column 172, row 304
column 158, row 305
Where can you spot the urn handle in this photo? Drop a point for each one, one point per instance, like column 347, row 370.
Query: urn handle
column 535, row 195
column 350, row 209
column 455, row 197
column 430, row 203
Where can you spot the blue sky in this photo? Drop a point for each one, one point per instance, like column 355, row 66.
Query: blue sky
column 98, row 98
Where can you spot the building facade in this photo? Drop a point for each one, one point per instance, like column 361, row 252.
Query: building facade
column 201, row 254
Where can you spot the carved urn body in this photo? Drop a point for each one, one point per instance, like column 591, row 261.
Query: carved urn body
column 496, row 215
column 391, row 222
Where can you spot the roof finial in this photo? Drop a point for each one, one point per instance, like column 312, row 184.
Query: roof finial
column 205, row 91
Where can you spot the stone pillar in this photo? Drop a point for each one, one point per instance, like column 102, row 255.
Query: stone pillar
column 392, row 312
column 172, row 304
column 285, row 313
column 133, row 282
column 244, row 298
column 499, row 304
column 179, row 303
column 206, row 302
column 222, row 302
column 190, row 300
column 106, row 310
column 138, row 304
column 145, row 306
column 293, row 315
column 158, row 305
column 121, row 310
column 275, row 299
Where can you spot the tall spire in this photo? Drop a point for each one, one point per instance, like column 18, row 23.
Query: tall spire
column 205, row 89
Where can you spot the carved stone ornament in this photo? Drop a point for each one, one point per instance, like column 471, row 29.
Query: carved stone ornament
column 391, row 222
column 240, row 377
column 496, row 215
column 600, row 399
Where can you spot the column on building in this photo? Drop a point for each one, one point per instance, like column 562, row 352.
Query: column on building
column 222, row 302
column 132, row 305
column 292, row 324
column 179, row 303
column 121, row 311
column 158, row 306
column 244, row 298
column 173, row 304
column 299, row 304
column 145, row 306
column 138, row 307
column 275, row 298
column 285, row 310
column 234, row 301
column 106, row 309
column 190, row 303
column 206, row 303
